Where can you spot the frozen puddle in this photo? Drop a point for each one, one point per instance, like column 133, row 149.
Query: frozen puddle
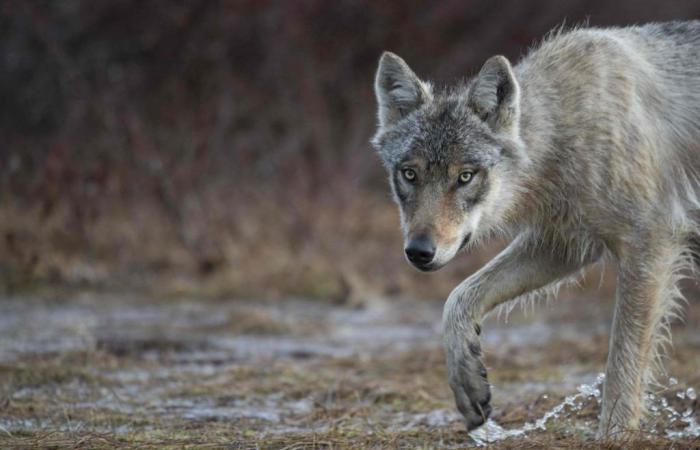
column 200, row 332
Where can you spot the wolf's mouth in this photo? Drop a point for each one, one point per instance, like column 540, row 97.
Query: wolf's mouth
column 465, row 241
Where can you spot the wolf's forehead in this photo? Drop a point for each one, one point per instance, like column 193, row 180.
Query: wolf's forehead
column 446, row 135
column 441, row 133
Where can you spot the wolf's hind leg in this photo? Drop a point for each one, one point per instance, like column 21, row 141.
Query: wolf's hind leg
column 647, row 291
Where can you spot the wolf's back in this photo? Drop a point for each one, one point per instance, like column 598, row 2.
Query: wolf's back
column 598, row 81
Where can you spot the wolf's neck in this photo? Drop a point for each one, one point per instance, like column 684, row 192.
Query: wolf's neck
column 538, row 126
column 537, row 121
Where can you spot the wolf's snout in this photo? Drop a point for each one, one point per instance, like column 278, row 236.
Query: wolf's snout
column 420, row 250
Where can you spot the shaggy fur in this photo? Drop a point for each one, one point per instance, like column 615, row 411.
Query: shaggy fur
column 587, row 149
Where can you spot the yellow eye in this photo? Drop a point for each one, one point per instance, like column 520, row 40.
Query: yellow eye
column 465, row 177
column 409, row 174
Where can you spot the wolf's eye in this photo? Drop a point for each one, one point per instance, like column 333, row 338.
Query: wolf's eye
column 465, row 177
column 409, row 175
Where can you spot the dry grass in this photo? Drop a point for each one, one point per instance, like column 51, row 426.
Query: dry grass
column 337, row 440
column 353, row 409
column 328, row 252
column 159, row 383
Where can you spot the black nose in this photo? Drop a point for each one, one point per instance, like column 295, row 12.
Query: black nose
column 420, row 250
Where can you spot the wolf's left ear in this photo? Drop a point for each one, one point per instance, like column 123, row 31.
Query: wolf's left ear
column 399, row 91
column 495, row 95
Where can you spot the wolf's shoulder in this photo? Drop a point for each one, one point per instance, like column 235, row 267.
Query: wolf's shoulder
column 579, row 46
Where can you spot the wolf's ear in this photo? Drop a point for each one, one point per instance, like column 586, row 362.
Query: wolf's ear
column 399, row 91
column 495, row 95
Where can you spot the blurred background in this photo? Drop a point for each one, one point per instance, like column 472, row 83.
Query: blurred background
column 221, row 148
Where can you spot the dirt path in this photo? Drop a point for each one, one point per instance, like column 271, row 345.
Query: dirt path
column 104, row 370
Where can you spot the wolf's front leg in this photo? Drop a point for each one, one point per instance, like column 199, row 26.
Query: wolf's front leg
column 646, row 286
column 525, row 265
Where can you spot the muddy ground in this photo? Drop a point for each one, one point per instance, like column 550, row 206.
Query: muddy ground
column 100, row 370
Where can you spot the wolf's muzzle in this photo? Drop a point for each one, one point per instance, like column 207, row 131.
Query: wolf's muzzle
column 420, row 251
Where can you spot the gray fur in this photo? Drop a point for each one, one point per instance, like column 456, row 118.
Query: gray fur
column 587, row 149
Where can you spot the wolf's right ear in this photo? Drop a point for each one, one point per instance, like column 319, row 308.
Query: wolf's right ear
column 494, row 95
column 399, row 91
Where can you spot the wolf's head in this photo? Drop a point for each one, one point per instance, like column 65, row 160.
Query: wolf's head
column 451, row 157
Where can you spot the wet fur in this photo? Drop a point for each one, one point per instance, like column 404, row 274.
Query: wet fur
column 598, row 138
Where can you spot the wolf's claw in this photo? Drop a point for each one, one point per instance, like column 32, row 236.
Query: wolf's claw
column 467, row 377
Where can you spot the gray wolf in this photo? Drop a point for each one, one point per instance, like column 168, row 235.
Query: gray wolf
column 587, row 150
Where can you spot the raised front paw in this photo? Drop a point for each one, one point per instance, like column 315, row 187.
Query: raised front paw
column 468, row 380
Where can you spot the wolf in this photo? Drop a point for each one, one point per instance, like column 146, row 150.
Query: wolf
column 587, row 150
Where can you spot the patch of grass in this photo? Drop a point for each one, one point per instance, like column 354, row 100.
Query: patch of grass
column 250, row 320
column 13, row 377
column 136, row 392
column 338, row 438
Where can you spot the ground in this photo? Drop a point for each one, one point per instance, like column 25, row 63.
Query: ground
column 105, row 370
